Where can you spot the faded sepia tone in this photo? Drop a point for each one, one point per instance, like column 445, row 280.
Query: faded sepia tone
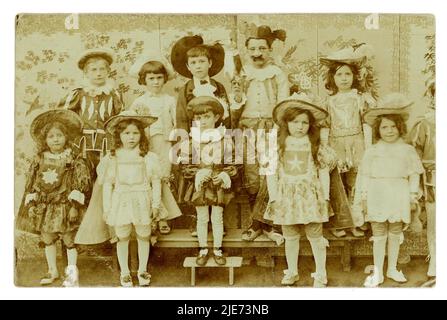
column 48, row 47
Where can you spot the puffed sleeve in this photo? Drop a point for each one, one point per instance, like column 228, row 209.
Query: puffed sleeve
column 71, row 101
column 153, row 169
column 81, row 180
column 327, row 157
column 31, row 176
column 327, row 161
column 118, row 104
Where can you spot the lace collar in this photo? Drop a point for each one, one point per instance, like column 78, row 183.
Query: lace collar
column 66, row 154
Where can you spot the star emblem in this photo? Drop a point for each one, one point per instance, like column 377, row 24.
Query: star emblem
column 50, row 176
column 295, row 163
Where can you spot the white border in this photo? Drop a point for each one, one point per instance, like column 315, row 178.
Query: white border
column 7, row 66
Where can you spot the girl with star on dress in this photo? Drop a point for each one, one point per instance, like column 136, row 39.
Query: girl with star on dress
column 54, row 198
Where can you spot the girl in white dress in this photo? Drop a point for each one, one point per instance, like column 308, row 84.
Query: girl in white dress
column 130, row 176
column 387, row 185
column 152, row 71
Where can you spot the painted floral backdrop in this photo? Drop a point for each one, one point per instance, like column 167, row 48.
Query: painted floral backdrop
column 46, row 55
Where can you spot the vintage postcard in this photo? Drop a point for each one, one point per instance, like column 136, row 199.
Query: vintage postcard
column 221, row 150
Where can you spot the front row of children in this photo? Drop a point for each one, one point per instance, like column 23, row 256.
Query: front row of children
column 130, row 177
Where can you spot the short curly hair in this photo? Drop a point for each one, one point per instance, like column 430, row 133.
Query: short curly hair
column 155, row 67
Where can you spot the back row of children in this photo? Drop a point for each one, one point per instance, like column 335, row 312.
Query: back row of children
column 63, row 200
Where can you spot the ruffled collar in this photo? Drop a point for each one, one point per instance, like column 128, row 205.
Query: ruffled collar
column 261, row 74
column 66, row 154
column 94, row 91
column 207, row 136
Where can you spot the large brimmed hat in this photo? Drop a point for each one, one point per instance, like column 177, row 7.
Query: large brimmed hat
column 301, row 102
column 68, row 118
column 148, row 57
column 111, row 124
column 351, row 55
column 393, row 103
column 179, row 59
column 196, row 102
column 104, row 53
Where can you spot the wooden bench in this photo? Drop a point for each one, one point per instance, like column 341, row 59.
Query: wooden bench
column 232, row 262
column 181, row 238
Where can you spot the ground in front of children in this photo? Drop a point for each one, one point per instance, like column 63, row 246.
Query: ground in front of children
column 167, row 271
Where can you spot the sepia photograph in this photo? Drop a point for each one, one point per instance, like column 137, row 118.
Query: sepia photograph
column 225, row 150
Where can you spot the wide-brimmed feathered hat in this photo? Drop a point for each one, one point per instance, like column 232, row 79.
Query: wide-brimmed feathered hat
column 68, row 118
column 111, row 124
column 179, row 58
column 351, row 55
column 104, row 53
column 301, row 102
column 393, row 103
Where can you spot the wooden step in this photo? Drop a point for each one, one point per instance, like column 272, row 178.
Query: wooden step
column 232, row 262
column 181, row 238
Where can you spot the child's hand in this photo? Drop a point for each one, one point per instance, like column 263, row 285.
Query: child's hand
column 30, row 197
column 73, row 215
column 32, row 212
column 155, row 213
column 217, row 180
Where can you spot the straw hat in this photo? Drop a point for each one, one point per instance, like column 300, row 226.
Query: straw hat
column 301, row 102
column 104, row 53
column 128, row 115
column 68, row 118
column 350, row 55
column 393, row 103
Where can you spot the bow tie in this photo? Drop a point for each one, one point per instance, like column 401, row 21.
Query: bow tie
column 203, row 81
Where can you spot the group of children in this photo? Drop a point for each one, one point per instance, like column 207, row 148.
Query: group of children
column 102, row 169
